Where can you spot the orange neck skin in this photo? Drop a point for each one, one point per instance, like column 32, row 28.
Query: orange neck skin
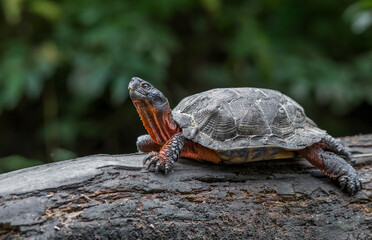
column 158, row 123
column 161, row 127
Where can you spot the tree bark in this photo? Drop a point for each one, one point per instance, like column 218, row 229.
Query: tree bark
column 114, row 197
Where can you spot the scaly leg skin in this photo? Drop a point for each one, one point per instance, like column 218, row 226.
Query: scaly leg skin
column 333, row 166
column 331, row 144
column 168, row 154
column 146, row 144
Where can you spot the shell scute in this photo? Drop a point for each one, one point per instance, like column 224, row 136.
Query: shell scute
column 282, row 125
column 253, row 123
column 216, row 123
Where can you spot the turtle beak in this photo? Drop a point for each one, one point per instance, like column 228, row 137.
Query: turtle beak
column 134, row 83
column 134, row 87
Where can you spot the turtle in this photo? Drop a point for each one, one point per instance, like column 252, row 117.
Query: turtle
column 233, row 126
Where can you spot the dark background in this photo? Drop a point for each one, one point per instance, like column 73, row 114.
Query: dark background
column 65, row 65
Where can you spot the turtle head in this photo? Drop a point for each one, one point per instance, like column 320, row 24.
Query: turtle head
column 154, row 110
column 144, row 94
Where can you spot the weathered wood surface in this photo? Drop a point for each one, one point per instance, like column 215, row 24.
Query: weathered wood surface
column 113, row 197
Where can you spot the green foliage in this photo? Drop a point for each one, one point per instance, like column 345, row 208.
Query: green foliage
column 15, row 162
column 360, row 16
column 71, row 61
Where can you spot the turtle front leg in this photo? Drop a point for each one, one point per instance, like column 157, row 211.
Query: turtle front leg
column 333, row 166
column 331, row 144
column 146, row 144
column 168, row 154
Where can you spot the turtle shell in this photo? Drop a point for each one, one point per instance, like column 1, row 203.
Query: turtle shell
column 239, row 118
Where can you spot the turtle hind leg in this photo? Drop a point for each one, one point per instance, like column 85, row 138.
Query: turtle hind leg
column 333, row 166
column 168, row 154
column 331, row 144
column 146, row 144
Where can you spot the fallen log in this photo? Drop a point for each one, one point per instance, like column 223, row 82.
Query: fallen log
column 114, row 197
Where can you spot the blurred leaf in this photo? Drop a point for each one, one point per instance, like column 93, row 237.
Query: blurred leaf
column 62, row 154
column 15, row 162
column 12, row 10
column 45, row 8
column 21, row 71
column 12, row 77
column 359, row 15
column 48, row 52
column 211, row 5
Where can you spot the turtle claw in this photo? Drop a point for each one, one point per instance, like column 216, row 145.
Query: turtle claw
column 350, row 183
column 150, row 156
column 152, row 163
column 160, row 164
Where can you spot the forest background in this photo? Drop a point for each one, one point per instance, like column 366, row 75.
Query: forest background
column 65, row 65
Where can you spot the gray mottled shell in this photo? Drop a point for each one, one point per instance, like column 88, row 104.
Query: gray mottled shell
column 236, row 118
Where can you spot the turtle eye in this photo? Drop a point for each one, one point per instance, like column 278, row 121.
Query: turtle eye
column 145, row 86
